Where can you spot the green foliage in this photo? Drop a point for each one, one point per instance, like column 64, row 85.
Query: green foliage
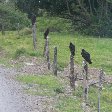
column 88, row 17
column 10, row 18
column 28, row 6
column 55, row 24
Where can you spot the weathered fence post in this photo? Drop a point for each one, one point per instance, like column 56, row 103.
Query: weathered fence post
column 47, row 53
column 55, row 62
column 85, row 81
column 72, row 77
column 45, row 46
column 34, row 36
column 46, row 41
column 99, row 89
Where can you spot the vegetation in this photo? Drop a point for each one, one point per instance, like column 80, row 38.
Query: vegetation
column 55, row 24
column 89, row 17
column 99, row 48
column 9, row 18
column 46, row 85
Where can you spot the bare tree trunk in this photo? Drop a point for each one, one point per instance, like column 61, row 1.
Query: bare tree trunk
column 91, row 12
column 55, row 61
column 68, row 8
column 34, row 36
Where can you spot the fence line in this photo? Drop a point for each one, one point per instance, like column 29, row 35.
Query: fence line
column 55, row 61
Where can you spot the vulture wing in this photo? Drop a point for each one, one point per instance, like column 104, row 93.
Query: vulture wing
column 86, row 56
column 46, row 33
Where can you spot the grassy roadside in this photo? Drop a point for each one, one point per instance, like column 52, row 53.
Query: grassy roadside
column 53, row 87
column 100, row 49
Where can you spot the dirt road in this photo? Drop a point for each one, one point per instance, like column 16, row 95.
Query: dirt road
column 11, row 97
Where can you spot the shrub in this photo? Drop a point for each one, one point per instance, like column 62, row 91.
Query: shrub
column 9, row 18
column 19, row 52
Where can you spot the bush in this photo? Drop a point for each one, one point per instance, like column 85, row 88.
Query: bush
column 9, row 17
column 55, row 24
column 19, row 52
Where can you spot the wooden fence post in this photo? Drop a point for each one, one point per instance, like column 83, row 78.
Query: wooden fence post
column 47, row 53
column 55, row 61
column 72, row 77
column 85, row 81
column 34, row 36
column 45, row 47
column 99, row 89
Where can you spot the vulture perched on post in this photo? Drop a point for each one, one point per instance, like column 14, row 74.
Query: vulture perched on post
column 72, row 49
column 86, row 56
column 32, row 17
column 46, row 33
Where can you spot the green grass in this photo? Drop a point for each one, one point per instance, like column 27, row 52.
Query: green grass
column 106, row 98
column 46, row 85
column 100, row 49
column 69, row 104
column 47, row 80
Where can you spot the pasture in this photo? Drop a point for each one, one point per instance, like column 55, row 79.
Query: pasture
column 99, row 48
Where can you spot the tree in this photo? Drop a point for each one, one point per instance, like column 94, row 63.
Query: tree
column 89, row 16
column 30, row 7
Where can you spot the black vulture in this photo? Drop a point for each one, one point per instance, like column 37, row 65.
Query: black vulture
column 72, row 49
column 32, row 17
column 46, row 33
column 86, row 56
